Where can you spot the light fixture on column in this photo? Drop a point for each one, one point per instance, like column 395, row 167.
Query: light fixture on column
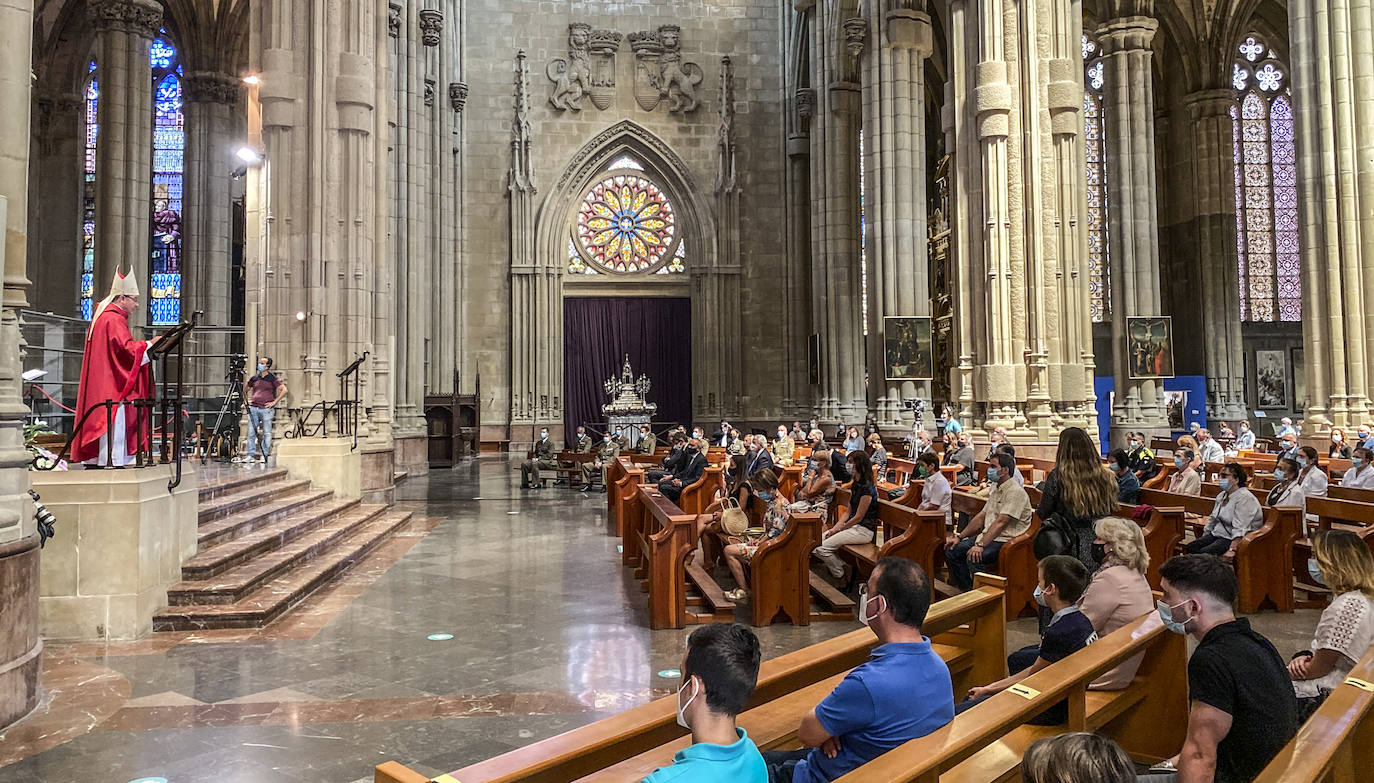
column 301, row 315
column 249, row 157
column 252, row 80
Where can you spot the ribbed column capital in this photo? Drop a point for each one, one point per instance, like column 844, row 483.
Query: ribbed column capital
column 211, row 87
column 1127, row 34
column 1210, row 103
column 139, row 17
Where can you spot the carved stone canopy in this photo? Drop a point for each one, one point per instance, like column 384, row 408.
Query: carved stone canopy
column 457, row 95
column 429, row 92
column 855, row 31
column 806, row 102
column 140, row 17
column 431, row 26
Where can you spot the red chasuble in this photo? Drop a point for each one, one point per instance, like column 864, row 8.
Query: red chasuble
column 111, row 369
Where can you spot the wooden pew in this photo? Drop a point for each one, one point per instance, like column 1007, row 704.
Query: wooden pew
column 902, row 532
column 696, row 497
column 1016, row 561
column 974, row 623
column 622, row 481
column 665, row 536
column 986, row 743
column 789, row 478
column 572, row 473
column 1336, row 744
column 780, row 573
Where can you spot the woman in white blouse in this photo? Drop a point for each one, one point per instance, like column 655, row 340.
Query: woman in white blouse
column 1361, row 473
column 1288, row 490
column 1310, row 474
column 1345, row 631
column 1237, row 512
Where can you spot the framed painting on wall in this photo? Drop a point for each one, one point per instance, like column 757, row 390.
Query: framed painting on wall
column 1150, row 347
column 907, row 353
column 1271, row 379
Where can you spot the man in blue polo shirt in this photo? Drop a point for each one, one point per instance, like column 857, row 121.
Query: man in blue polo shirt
column 902, row 692
column 718, row 677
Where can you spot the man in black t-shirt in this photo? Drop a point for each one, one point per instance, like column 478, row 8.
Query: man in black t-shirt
column 1243, row 710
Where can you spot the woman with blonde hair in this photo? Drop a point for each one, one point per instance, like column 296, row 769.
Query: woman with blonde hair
column 1079, row 490
column 1189, row 443
column 1077, row 757
column 1119, row 591
column 1340, row 561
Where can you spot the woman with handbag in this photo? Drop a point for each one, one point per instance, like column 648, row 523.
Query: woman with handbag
column 762, row 488
column 1077, row 492
column 816, row 493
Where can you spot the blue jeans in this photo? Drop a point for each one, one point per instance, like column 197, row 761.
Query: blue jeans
column 962, row 570
column 260, row 417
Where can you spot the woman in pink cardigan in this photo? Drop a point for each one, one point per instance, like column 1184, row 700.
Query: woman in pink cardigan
column 1119, row 592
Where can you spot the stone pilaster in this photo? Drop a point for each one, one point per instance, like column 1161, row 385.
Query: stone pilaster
column 1133, row 240
column 210, row 101
column 55, row 216
column 895, row 167
column 317, row 205
column 1214, row 197
column 796, row 402
column 21, row 648
column 1024, row 354
column 123, row 157
column 837, row 44
column 1334, row 128
column 717, row 287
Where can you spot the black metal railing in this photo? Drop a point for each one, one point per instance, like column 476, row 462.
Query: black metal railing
column 344, row 411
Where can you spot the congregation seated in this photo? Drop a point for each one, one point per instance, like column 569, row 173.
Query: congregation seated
column 1208, row 449
column 918, row 442
column 1235, row 513
column 852, row 441
column 1339, row 448
column 1288, row 447
column 1185, row 479
column 647, row 441
column 1139, row 457
column 1062, row 580
column 861, row 523
column 719, row 672
column 784, row 448
column 1311, row 476
column 878, row 456
column 1078, row 491
column 541, row 458
column 1242, row 708
column 839, row 466
column 1127, row 483
column 1364, row 438
column 760, row 489
column 1361, row 473
column 1189, row 443
column 936, row 492
column 606, row 453
column 1119, row 591
column 818, row 485
column 733, row 443
column 677, row 451
column 756, row 454
column 1077, row 756
column 736, row 472
column 797, row 434
column 1342, row 563
column 1245, row 441
column 1006, row 515
column 1287, row 491
column 903, row 691
column 688, row 471
column 959, row 452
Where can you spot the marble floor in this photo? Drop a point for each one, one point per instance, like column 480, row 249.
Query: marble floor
column 549, row 633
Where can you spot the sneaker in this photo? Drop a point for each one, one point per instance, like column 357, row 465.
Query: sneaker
column 239, row 460
column 262, row 458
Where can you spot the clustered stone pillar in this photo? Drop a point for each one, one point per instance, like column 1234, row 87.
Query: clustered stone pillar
column 123, row 156
column 1333, row 99
column 836, row 48
column 1214, row 197
column 21, row 647
column 895, row 165
column 316, row 245
column 717, row 286
column 1133, row 243
column 55, row 217
column 210, row 101
column 1023, row 345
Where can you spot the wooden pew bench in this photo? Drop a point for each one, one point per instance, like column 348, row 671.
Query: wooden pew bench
column 570, row 466
column 1016, row 561
column 1336, row 744
column 902, row 532
column 972, row 622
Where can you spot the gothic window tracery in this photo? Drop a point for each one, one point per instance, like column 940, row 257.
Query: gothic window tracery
column 1266, row 186
column 626, row 224
column 91, row 101
column 1099, row 266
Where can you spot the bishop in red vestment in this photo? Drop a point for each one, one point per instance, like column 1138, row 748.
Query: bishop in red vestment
column 112, row 368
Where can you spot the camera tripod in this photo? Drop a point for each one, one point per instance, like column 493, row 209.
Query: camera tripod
column 224, row 438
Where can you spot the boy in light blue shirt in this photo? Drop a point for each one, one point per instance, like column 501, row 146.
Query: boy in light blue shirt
column 718, row 677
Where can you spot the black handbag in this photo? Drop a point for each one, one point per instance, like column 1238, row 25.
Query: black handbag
column 1055, row 537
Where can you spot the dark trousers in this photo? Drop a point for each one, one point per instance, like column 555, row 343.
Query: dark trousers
column 781, row 762
column 1208, row 545
column 670, row 490
column 962, row 570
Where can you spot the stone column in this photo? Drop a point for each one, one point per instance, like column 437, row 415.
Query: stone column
column 1133, row 240
column 210, row 100
column 797, row 392
column 1024, row 352
column 21, row 647
column 1214, row 197
column 836, row 46
column 1333, row 99
column 718, row 286
column 55, row 218
column 123, row 156
column 895, row 148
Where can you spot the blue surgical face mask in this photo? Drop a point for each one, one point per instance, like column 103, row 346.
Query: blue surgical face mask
column 1166, row 613
column 262, row 367
column 1224, row 483
column 1135, row 444
column 1040, row 597
column 1315, row 572
column 1279, row 475
column 993, row 477
column 1113, row 467
column 1302, row 462
column 1357, row 463
column 1178, row 463
column 543, row 436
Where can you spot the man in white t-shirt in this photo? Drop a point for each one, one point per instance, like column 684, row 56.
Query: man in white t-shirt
column 935, row 493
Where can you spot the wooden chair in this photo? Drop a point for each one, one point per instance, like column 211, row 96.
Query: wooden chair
column 1336, row 744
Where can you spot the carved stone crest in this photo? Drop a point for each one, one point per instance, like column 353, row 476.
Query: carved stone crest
column 429, row 92
column 603, row 46
column 660, row 72
column 140, row 17
column 393, row 20
column 457, row 95
column 572, row 77
column 431, row 26
column 806, row 103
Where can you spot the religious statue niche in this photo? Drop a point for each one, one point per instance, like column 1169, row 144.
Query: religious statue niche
column 660, row 72
column 572, row 77
column 628, row 408
column 604, row 44
column 1150, row 347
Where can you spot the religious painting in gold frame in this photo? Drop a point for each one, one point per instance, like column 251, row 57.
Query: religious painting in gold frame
column 1150, row 347
column 907, row 350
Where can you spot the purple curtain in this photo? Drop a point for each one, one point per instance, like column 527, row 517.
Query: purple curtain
column 599, row 331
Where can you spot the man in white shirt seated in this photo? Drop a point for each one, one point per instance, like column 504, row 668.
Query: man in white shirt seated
column 1364, row 437
column 1361, row 473
column 1210, row 450
column 1286, row 428
column 935, row 492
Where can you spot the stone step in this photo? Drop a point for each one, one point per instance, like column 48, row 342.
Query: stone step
column 236, row 480
column 209, row 534
column 246, row 498
column 234, row 584
column 274, row 598
column 233, row 552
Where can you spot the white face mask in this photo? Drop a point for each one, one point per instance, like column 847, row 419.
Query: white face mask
column 782, row 434
column 864, row 617
column 682, row 708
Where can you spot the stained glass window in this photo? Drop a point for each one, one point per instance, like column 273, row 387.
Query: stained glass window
column 1266, row 186
column 863, row 239
column 1099, row 267
column 169, row 145
column 88, row 196
column 625, row 225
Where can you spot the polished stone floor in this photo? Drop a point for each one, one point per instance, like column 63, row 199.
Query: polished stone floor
column 549, row 633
